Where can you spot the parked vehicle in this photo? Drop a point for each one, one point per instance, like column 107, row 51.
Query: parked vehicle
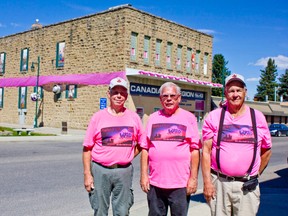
column 278, row 130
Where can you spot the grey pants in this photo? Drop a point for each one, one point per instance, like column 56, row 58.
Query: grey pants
column 115, row 183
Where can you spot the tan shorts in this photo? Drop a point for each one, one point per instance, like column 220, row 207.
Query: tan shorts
column 231, row 200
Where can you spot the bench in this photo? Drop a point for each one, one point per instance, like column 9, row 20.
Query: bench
column 27, row 130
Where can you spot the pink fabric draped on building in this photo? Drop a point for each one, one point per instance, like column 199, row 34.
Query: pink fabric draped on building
column 77, row 79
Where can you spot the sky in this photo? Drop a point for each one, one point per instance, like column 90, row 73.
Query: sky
column 247, row 32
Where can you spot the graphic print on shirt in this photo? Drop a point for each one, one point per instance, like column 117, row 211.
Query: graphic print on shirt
column 168, row 132
column 117, row 136
column 238, row 134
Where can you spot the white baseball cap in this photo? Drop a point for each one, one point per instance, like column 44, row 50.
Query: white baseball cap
column 118, row 81
column 235, row 77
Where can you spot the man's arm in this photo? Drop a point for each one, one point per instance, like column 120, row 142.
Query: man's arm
column 209, row 189
column 144, row 179
column 265, row 157
column 194, row 168
column 88, row 178
column 137, row 150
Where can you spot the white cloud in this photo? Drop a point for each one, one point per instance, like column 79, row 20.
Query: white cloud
column 253, row 79
column 280, row 60
column 15, row 24
column 207, row 31
column 79, row 7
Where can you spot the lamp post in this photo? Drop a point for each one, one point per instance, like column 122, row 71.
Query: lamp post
column 37, row 83
column 223, row 82
column 275, row 93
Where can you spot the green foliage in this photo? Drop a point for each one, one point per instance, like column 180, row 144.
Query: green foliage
column 283, row 85
column 5, row 131
column 267, row 82
column 219, row 73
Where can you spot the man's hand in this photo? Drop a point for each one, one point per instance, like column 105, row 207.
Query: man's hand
column 209, row 191
column 192, row 186
column 144, row 183
column 88, row 182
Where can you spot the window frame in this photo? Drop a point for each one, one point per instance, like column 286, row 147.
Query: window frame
column 146, row 52
column 179, row 57
column 67, row 91
column 60, row 61
column 169, row 55
column 158, row 52
column 2, row 62
column 22, row 60
column 133, row 46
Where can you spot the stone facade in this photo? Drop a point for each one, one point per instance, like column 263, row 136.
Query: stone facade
column 98, row 43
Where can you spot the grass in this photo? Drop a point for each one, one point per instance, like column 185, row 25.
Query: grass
column 5, row 131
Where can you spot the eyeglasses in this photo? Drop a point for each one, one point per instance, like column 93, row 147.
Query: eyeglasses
column 122, row 93
column 172, row 96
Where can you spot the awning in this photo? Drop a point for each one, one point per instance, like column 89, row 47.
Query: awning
column 76, row 79
column 135, row 72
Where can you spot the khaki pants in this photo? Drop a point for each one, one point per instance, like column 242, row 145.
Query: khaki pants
column 231, row 200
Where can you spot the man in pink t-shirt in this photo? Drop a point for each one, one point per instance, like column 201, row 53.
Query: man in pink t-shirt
column 171, row 153
column 232, row 164
column 111, row 142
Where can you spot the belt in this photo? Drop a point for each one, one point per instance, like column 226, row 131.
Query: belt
column 233, row 178
column 114, row 166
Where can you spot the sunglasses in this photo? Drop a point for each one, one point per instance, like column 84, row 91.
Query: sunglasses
column 172, row 96
column 122, row 93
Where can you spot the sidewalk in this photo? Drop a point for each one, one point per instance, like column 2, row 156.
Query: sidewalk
column 273, row 182
column 72, row 134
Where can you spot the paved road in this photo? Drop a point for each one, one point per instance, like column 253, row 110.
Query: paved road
column 42, row 176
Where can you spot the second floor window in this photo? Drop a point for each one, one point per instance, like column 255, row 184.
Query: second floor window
column 146, row 52
column 60, row 54
column 205, row 63
column 133, row 48
column 24, row 60
column 168, row 55
column 188, row 60
column 179, row 57
column 2, row 63
column 158, row 53
column 197, row 61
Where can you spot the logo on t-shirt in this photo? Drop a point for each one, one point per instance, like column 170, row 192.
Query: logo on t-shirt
column 238, row 134
column 117, row 136
column 168, row 132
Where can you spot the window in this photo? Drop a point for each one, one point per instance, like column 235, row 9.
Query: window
column 205, row 69
column 197, row 63
column 60, row 54
column 158, row 53
column 179, row 55
column 2, row 63
column 24, row 60
column 40, row 91
column 1, row 98
column 71, row 92
column 133, row 49
column 22, row 99
column 168, row 55
column 188, row 60
column 146, row 53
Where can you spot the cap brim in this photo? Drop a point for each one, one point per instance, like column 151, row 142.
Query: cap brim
column 235, row 79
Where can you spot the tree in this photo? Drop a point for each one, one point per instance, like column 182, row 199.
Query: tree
column 267, row 82
column 283, row 90
column 219, row 73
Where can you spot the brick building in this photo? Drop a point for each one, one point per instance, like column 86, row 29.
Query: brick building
column 74, row 61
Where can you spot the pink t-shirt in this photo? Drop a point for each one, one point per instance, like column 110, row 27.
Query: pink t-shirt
column 113, row 138
column 237, row 146
column 169, row 142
